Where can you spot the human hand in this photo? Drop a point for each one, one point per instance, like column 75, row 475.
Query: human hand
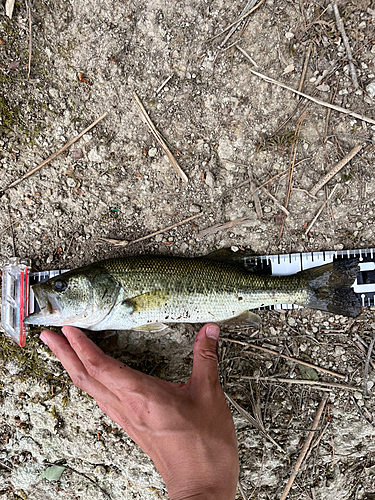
column 186, row 429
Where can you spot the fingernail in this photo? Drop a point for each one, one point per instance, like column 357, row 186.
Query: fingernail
column 43, row 338
column 213, row 332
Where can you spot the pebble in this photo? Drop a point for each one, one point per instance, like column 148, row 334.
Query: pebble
column 195, row 209
column 292, row 322
column 152, row 152
column 370, row 89
column 357, row 395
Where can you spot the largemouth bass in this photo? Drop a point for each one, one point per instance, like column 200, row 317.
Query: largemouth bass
column 147, row 292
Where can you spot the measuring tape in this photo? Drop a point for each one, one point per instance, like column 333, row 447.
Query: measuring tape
column 18, row 299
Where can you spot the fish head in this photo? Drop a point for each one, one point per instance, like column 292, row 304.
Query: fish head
column 79, row 298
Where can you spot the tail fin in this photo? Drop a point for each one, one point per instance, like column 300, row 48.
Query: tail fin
column 330, row 287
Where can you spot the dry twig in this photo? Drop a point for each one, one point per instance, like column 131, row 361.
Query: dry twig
column 365, row 376
column 334, row 170
column 321, row 210
column 221, row 227
column 241, row 18
column 28, row 8
column 160, row 140
column 304, row 449
column 304, row 70
column 340, row 27
column 302, row 382
column 289, row 358
column 163, row 84
column 123, row 243
column 253, row 421
column 52, row 157
column 311, row 98
column 291, row 170
column 250, row 4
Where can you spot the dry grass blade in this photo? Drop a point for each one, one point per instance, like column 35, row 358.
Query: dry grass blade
column 289, row 358
column 52, row 157
column 241, row 18
column 253, row 421
column 302, row 382
column 334, row 170
column 313, row 99
column 305, row 448
column 160, row 140
column 221, row 227
column 340, row 27
column 321, row 210
column 123, row 243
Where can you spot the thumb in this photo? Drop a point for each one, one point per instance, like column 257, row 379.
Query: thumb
column 205, row 355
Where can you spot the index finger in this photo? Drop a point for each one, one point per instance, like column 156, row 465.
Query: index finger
column 108, row 371
column 75, row 368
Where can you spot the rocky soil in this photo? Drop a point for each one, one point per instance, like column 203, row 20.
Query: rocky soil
column 230, row 131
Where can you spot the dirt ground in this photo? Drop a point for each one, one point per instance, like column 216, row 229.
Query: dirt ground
column 230, row 131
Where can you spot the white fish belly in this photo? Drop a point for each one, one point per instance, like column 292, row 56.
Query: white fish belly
column 196, row 308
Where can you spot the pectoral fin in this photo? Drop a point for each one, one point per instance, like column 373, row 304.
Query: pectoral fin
column 149, row 300
column 151, row 327
column 247, row 317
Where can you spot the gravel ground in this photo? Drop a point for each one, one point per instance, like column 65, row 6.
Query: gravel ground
column 226, row 127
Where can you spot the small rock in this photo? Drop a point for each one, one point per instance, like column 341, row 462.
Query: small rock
column 370, row 89
column 49, row 258
column 195, row 209
column 94, row 156
column 77, row 154
column 209, row 179
column 292, row 322
column 152, row 152
column 357, row 395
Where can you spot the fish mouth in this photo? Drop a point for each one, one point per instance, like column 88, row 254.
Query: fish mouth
column 50, row 309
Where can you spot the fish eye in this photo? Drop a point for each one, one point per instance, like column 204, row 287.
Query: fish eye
column 60, row 285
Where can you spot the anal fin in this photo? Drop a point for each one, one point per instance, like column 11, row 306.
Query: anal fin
column 151, row 327
column 246, row 317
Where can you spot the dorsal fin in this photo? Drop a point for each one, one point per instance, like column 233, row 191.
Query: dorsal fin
column 238, row 258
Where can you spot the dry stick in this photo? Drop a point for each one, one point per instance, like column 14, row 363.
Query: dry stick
column 256, row 200
column 321, row 209
column 340, row 27
column 236, row 22
column 221, row 227
column 246, row 55
column 313, row 99
column 291, row 169
column 163, row 84
column 305, row 65
column 289, row 358
column 331, row 99
column 28, row 8
column 10, row 225
column 123, row 243
column 334, row 170
column 52, row 157
column 365, row 376
column 160, row 140
column 302, row 382
column 276, row 202
column 253, row 421
column 305, row 448
column 248, row 6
